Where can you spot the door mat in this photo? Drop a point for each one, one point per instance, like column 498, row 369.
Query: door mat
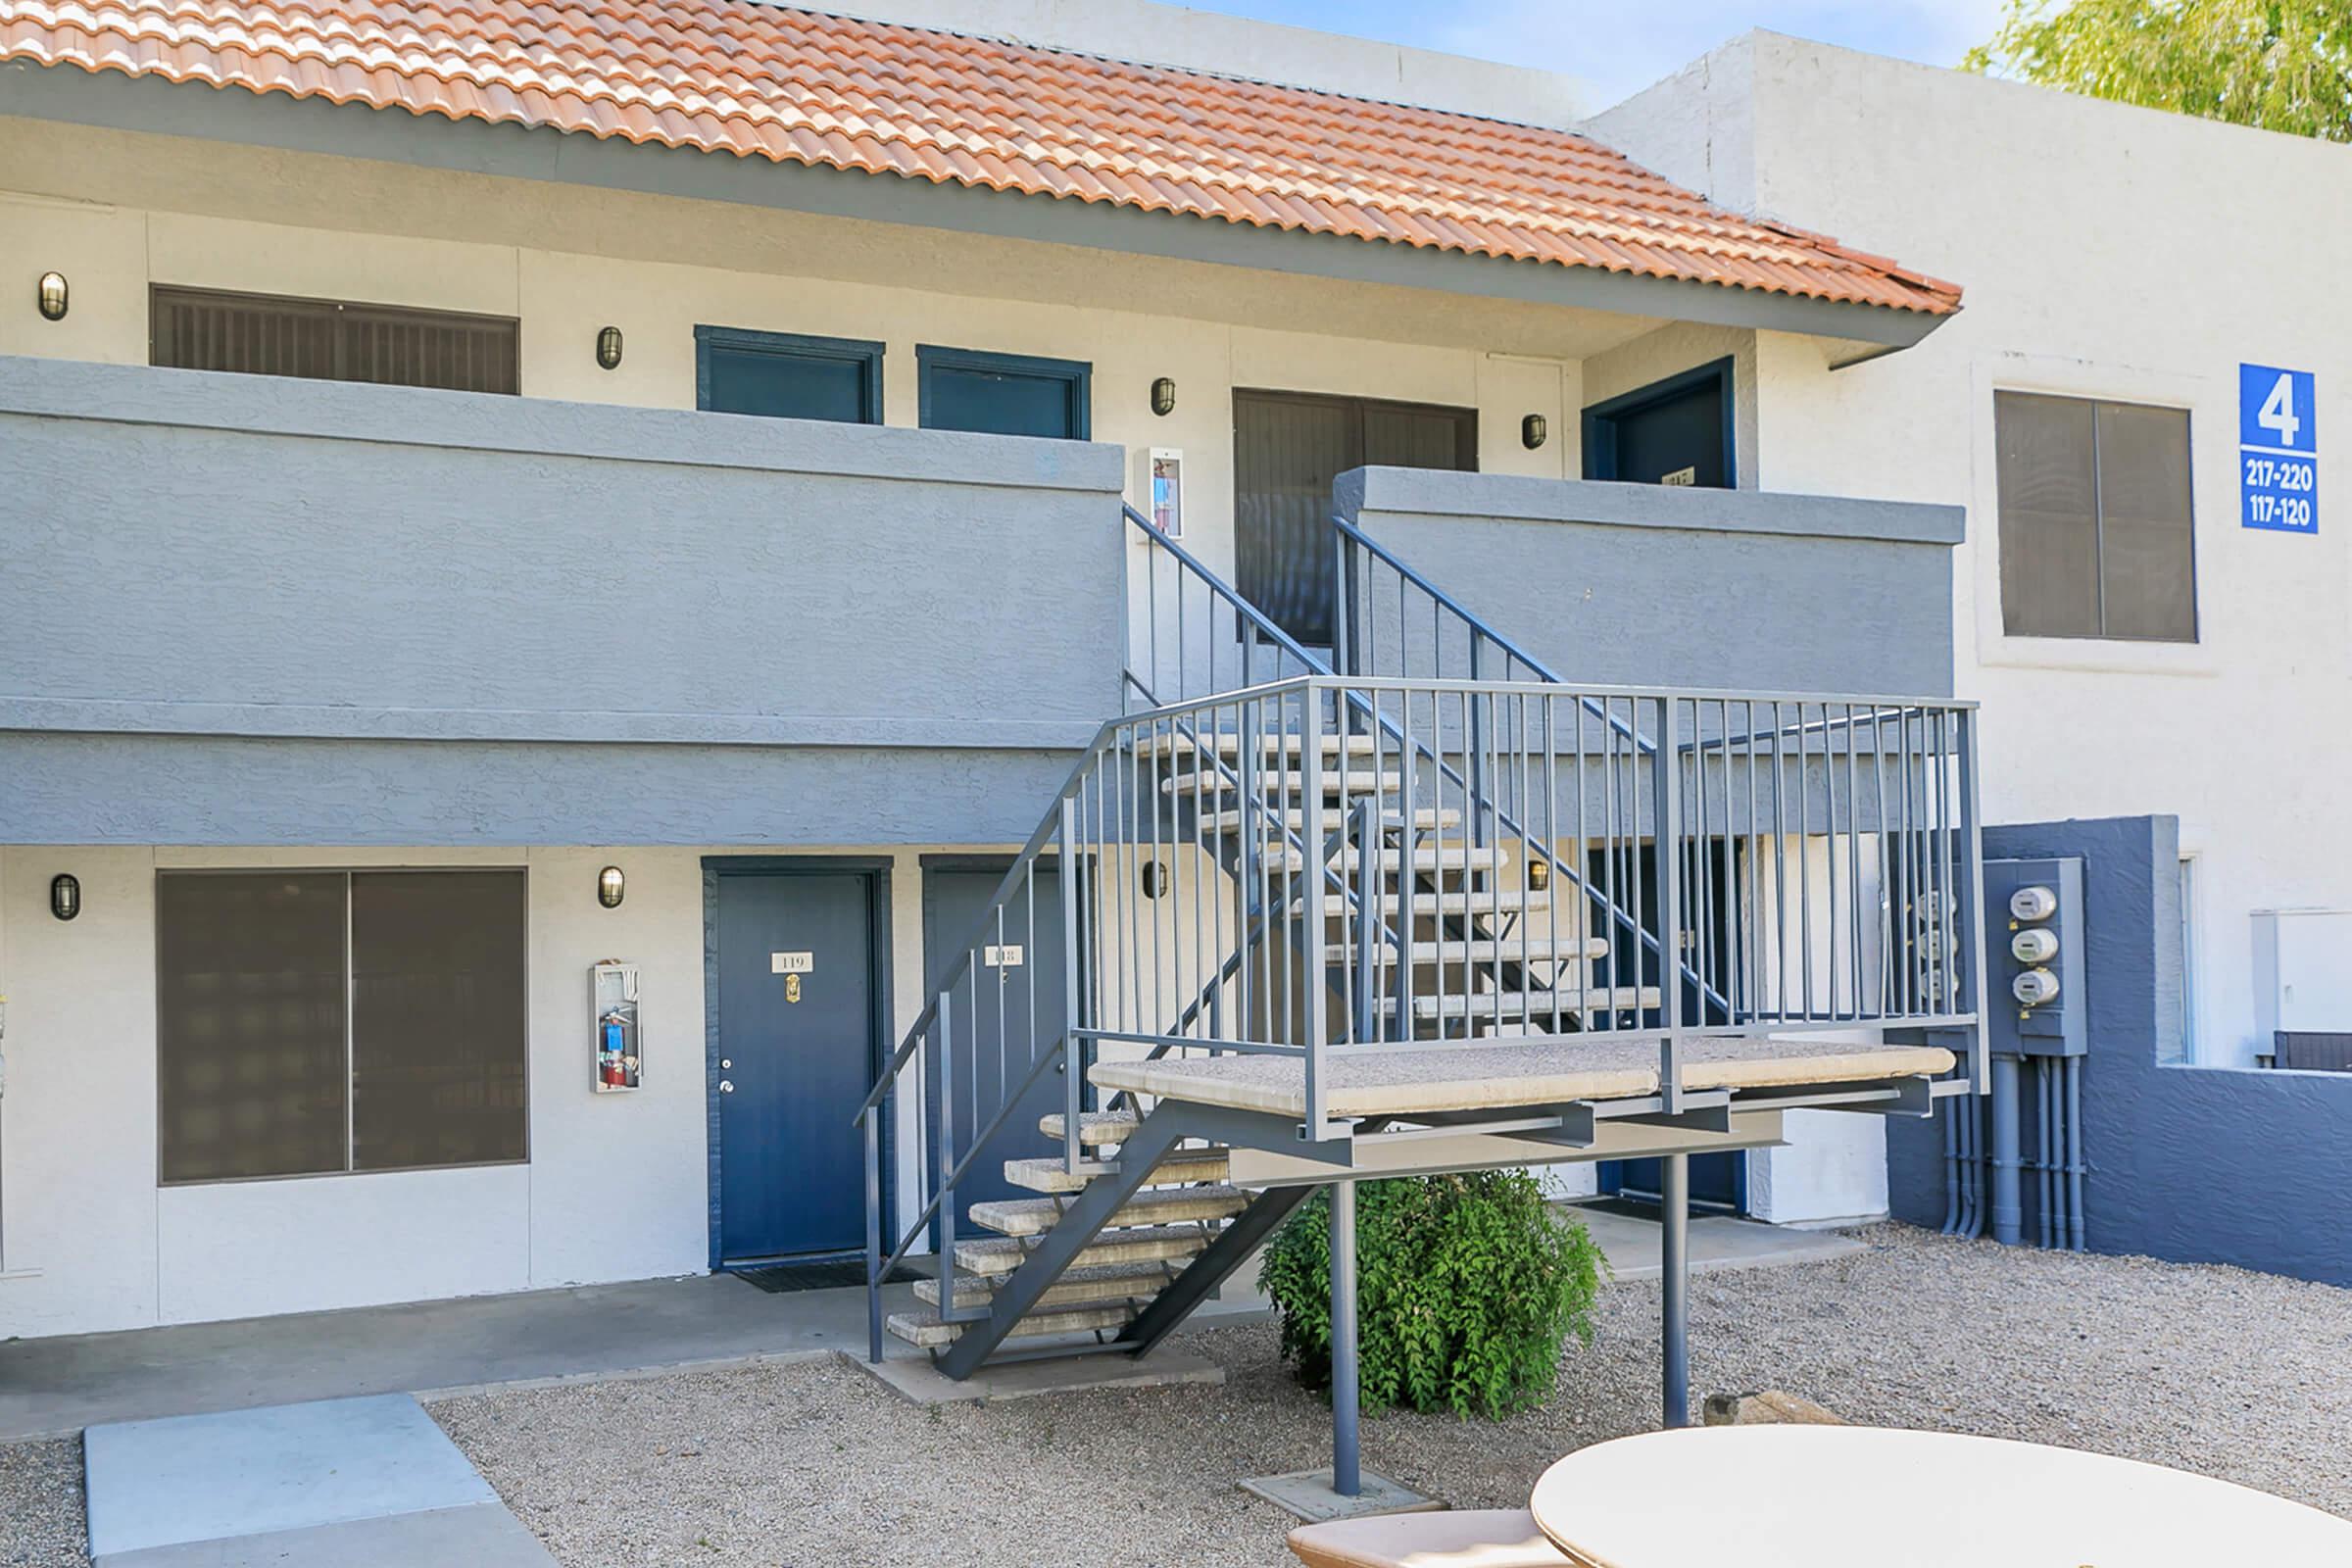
column 782, row 1279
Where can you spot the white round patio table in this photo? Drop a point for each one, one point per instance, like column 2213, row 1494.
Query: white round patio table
column 1807, row 1496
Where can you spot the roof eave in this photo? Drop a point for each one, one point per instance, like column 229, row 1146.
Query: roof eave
column 237, row 114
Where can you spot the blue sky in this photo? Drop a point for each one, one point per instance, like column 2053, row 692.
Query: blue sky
column 1619, row 48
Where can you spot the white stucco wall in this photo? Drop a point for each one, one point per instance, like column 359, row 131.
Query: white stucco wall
column 2107, row 251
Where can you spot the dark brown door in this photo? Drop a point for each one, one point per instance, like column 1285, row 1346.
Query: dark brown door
column 1287, row 447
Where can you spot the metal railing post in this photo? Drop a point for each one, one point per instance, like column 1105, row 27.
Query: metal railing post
column 1312, row 992
column 1667, row 852
column 945, row 1144
column 873, row 1233
column 1969, row 946
column 1072, row 1064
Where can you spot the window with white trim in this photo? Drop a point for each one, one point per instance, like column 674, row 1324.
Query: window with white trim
column 311, row 1022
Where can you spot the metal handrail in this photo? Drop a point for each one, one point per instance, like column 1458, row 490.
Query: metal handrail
column 1439, row 598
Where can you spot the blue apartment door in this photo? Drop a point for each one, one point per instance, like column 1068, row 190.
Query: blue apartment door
column 797, row 1053
column 1021, row 1014
column 1675, row 432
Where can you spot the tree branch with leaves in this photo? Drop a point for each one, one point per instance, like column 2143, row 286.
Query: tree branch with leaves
column 2280, row 65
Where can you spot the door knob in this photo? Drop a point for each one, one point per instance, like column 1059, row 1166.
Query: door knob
column 726, row 1061
column 725, row 1088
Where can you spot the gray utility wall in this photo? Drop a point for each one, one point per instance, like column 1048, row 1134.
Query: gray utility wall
column 2194, row 1164
column 250, row 609
column 1644, row 585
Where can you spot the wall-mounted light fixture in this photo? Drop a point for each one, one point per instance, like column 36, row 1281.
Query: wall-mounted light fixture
column 1163, row 396
column 611, row 885
column 1155, row 880
column 1534, row 431
column 608, row 348
column 53, row 296
column 65, row 896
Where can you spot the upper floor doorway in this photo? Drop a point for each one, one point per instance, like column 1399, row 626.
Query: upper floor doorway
column 1287, row 447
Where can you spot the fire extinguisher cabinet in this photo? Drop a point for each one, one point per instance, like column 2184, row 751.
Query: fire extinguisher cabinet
column 619, row 1052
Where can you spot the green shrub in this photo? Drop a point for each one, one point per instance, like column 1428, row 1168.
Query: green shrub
column 1467, row 1286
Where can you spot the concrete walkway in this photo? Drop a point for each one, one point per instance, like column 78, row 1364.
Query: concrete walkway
column 54, row 1387
column 1631, row 1242
column 367, row 1482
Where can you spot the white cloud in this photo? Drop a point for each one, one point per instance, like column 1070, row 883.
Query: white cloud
column 1619, row 50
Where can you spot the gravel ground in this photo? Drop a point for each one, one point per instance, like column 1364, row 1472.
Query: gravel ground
column 40, row 1505
column 2234, row 1374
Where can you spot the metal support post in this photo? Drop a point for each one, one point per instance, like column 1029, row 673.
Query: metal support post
column 1674, row 1281
column 1346, row 1471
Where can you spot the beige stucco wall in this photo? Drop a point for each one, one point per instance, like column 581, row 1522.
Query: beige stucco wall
column 116, row 211
column 615, row 1188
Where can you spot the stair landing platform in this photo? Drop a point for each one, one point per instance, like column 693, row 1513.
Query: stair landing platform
column 1404, row 1080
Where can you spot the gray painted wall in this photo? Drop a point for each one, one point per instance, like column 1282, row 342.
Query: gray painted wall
column 494, row 594
column 2193, row 1164
column 1645, row 585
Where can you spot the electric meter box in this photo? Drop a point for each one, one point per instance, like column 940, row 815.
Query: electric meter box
column 2017, row 895
column 619, row 1048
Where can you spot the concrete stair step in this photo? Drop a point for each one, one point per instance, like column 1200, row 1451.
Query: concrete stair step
column 1001, row 1254
column 1047, row 1176
column 1096, row 1128
column 930, row 1330
column 1292, row 785
column 1158, row 1205
column 1538, row 948
column 1536, row 1006
column 1113, row 1282
column 1227, row 744
column 1473, row 902
column 1429, row 859
column 1331, row 819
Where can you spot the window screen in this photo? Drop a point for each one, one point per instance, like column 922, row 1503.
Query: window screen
column 326, row 1021
column 250, row 1025
column 2095, row 519
column 331, row 340
column 436, row 1018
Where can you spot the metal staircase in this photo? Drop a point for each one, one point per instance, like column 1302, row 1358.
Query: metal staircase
column 1288, row 878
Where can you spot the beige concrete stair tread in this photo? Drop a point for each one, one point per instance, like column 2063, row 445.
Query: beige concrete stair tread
column 1047, row 1176
column 1399, row 1080
column 1155, row 1205
column 1111, row 1281
column 1095, row 1127
column 1001, row 1254
column 930, row 1330
column 1545, row 949
column 1428, row 858
column 1226, row 742
column 1273, row 787
column 1331, row 819
column 1476, row 903
column 1568, row 1002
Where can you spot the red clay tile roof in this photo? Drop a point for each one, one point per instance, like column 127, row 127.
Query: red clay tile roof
column 796, row 86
